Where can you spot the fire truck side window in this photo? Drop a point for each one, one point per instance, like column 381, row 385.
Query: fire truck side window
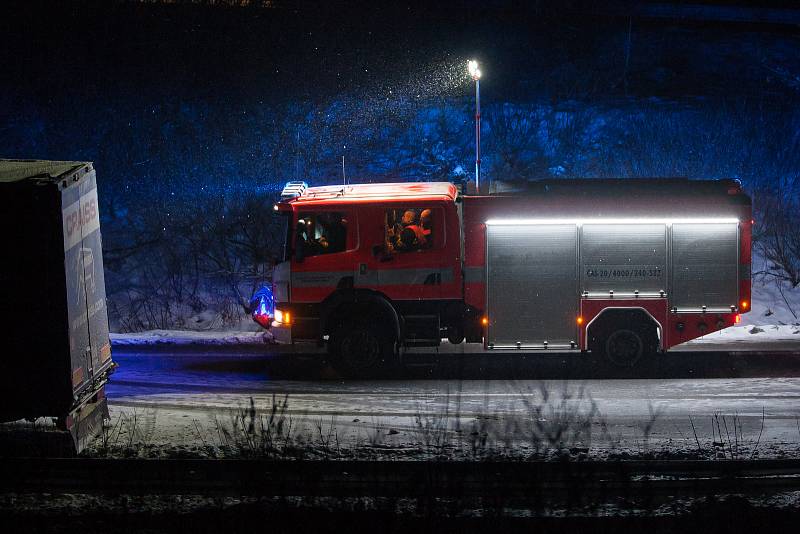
column 323, row 232
column 412, row 229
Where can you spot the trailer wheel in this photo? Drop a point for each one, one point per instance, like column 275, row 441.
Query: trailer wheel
column 360, row 348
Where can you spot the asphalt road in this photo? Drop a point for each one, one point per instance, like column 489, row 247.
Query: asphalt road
column 188, row 393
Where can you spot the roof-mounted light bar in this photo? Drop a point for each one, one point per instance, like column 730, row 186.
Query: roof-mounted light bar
column 293, row 190
column 579, row 222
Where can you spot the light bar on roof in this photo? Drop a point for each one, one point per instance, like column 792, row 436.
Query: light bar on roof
column 579, row 222
column 293, row 190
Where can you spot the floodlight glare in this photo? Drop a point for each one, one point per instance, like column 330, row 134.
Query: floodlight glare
column 474, row 71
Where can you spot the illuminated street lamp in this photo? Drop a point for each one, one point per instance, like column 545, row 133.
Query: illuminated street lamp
column 475, row 73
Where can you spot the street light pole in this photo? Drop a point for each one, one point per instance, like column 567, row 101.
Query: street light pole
column 475, row 72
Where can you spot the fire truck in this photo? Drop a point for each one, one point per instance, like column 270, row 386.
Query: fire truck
column 622, row 269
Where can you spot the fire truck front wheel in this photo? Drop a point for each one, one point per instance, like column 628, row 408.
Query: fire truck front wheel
column 361, row 348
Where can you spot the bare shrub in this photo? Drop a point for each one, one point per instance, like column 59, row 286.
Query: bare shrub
column 254, row 434
column 729, row 440
column 559, row 423
column 174, row 260
column 777, row 232
column 377, row 432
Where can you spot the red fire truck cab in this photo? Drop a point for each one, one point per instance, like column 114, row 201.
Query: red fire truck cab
column 621, row 268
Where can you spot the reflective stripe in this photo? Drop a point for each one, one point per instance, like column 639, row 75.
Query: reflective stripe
column 385, row 277
column 402, row 277
column 474, row 274
column 319, row 278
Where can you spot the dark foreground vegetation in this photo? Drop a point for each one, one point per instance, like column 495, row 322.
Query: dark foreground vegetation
column 208, row 495
column 712, row 515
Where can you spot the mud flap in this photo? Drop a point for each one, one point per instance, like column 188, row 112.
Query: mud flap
column 86, row 422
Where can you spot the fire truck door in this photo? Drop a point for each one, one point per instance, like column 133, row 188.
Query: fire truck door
column 414, row 267
column 325, row 245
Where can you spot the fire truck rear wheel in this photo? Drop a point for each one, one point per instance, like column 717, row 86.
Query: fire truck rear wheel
column 360, row 348
column 623, row 337
column 624, row 347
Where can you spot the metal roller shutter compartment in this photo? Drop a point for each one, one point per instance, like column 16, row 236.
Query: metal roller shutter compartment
column 705, row 265
column 532, row 284
column 623, row 258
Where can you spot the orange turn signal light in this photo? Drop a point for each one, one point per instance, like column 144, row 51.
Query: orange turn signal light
column 744, row 304
column 485, row 321
column 579, row 320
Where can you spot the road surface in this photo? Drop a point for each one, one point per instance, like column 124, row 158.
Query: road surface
column 682, row 402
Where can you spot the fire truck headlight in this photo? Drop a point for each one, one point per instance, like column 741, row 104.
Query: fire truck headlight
column 282, row 317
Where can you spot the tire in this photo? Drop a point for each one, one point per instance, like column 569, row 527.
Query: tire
column 626, row 347
column 455, row 334
column 360, row 348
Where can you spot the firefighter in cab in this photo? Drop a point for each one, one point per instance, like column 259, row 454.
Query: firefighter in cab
column 409, row 234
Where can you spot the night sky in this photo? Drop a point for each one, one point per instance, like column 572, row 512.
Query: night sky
column 176, row 99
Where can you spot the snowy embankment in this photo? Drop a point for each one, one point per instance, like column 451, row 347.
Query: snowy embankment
column 191, row 337
column 774, row 316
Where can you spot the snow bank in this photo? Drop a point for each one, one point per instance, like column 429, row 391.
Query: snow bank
column 751, row 333
column 188, row 337
column 775, row 302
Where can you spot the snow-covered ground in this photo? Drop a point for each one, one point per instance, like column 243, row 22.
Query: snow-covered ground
column 751, row 333
column 774, row 316
column 191, row 337
column 208, row 331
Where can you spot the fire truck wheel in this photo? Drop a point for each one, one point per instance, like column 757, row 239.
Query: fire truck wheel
column 455, row 334
column 361, row 349
column 624, row 347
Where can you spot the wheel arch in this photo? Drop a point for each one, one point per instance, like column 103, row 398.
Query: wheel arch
column 605, row 314
column 344, row 297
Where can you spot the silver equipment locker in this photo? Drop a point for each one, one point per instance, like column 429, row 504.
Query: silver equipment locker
column 623, row 258
column 537, row 273
column 705, row 259
column 532, row 285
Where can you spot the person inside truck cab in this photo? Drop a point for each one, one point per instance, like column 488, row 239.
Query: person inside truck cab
column 426, row 224
column 335, row 233
column 321, row 233
column 394, row 228
column 301, row 242
column 408, row 235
